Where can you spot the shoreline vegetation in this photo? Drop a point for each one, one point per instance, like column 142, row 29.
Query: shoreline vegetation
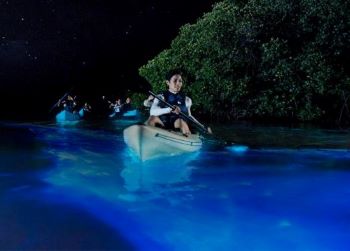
column 269, row 60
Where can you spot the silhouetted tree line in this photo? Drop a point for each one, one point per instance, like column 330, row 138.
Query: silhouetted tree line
column 280, row 59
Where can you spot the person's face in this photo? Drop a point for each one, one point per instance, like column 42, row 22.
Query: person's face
column 175, row 83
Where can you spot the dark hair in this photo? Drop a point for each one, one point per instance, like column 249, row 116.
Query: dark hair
column 171, row 73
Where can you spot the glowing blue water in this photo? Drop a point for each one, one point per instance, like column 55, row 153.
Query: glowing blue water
column 70, row 188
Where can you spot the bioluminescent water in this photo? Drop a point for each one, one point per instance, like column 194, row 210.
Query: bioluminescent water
column 73, row 187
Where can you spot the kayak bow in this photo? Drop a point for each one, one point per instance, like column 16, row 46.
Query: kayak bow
column 150, row 142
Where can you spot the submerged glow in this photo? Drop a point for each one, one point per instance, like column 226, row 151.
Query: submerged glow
column 261, row 200
column 131, row 113
column 65, row 116
column 237, row 148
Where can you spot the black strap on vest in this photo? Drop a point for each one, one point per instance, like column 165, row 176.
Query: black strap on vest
column 178, row 99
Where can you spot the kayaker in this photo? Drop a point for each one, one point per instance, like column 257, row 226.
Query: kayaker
column 169, row 117
column 69, row 104
column 127, row 105
column 148, row 102
column 87, row 107
column 116, row 106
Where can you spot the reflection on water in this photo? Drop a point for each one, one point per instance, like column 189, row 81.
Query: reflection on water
column 155, row 177
column 80, row 188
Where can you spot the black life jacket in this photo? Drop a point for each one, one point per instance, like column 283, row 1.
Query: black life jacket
column 178, row 99
column 69, row 105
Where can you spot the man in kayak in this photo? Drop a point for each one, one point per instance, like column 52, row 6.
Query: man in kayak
column 168, row 117
column 116, row 107
column 69, row 104
column 127, row 105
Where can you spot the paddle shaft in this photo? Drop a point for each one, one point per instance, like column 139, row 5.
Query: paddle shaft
column 196, row 123
column 61, row 99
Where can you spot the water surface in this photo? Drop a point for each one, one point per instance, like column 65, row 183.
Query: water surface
column 78, row 187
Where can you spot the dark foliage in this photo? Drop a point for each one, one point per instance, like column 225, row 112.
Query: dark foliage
column 280, row 59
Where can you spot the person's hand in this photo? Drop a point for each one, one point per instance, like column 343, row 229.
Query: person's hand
column 209, row 130
column 176, row 110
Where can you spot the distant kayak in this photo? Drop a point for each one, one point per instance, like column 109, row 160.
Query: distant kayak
column 131, row 113
column 150, row 142
column 66, row 116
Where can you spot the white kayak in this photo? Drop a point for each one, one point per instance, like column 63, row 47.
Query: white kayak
column 150, row 142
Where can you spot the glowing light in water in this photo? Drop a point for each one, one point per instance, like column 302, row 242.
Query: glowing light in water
column 237, row 148
column 66, row 116
column 237, row 199
column 131, row 113
column 152, row 175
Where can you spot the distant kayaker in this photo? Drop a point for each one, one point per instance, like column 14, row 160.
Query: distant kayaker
column 69, row 104
column 127, row 105
column 116, row 106
column 148, row 102
column 167, row 117
column 87, row 107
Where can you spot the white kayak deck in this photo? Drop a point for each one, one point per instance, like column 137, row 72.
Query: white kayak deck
column 152, row 142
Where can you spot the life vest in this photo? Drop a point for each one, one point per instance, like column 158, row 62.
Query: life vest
column 69, row 105
column 178, row 99
column 116, row 108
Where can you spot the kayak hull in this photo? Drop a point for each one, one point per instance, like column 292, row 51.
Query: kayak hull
column 66, row 116
column 149, row 142
column 131, row 113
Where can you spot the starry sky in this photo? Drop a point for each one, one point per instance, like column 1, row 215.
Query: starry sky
column 97, row 46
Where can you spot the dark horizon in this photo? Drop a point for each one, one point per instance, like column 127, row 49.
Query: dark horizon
column 48, row 47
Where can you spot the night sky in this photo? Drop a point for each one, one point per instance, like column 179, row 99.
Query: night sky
column 97, row 46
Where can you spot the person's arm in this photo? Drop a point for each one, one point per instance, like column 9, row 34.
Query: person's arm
column 156, row 110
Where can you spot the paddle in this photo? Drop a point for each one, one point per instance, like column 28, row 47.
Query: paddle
column 214, row 141
column 61, row 99
column 201, row 127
